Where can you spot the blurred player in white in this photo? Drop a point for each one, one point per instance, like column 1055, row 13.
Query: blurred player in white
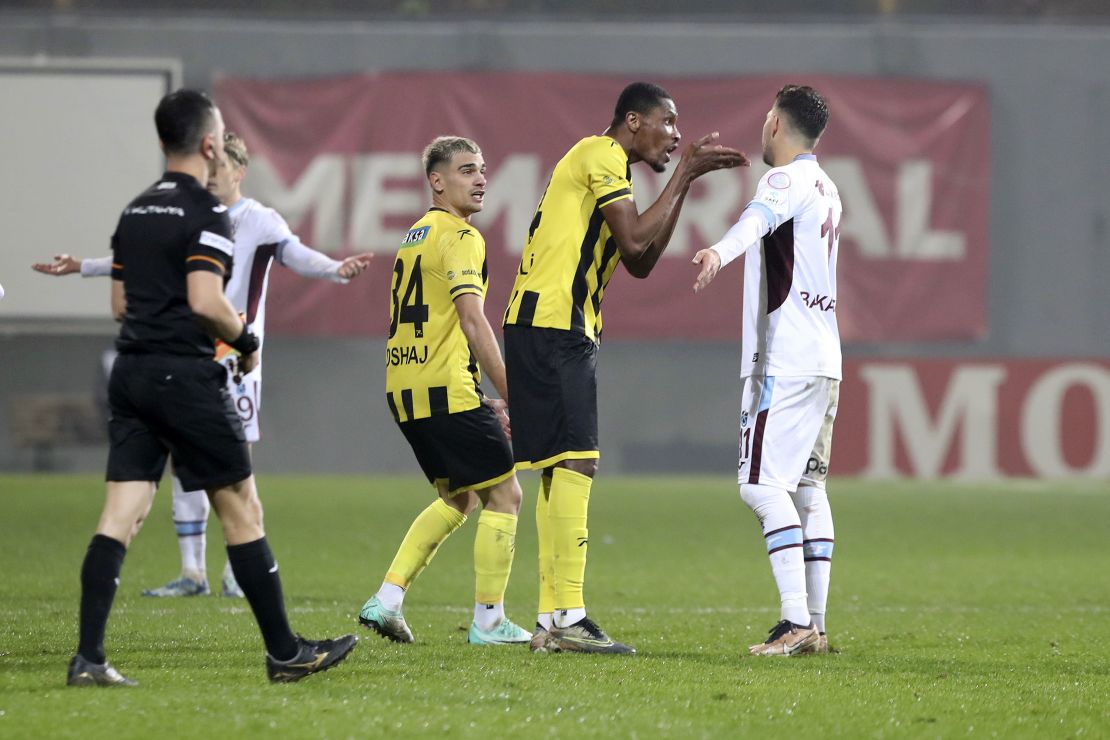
column 791, row 367
column 261, row 236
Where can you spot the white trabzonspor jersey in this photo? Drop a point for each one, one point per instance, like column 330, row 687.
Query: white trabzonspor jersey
column 258, row 233
column 790, row 279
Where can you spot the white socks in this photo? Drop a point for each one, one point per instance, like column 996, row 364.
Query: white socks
column 815, row 513
column 392, row 596
column 567, row 617
column 782, row 531
column 488, row 616
column 190, row 519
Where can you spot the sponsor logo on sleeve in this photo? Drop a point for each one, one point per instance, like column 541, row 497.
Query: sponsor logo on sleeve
column 415, row 236
column 772, row 198
column 208, row 239
column 154, row 211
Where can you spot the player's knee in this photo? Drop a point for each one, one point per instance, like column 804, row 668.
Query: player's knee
column 811, row 499
column 761, row 499
column 464, row 502
column 582, row 467
column 505, row 497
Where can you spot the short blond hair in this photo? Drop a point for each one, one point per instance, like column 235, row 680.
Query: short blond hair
column 443, row 148
column 236, row 148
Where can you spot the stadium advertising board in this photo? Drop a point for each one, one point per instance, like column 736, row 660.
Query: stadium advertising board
column 340, row 158
column 974, row 419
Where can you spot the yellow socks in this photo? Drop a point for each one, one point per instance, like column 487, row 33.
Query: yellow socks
column 428, row 531
column 569, row 503
column 494, row 544
column 547, row 552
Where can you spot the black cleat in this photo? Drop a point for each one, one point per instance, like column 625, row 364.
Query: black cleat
column 313, row 656
column 584, row 637
column 84, row 672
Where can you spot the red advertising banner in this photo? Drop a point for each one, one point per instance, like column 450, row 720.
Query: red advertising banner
column 977, row 419
column 340, row 158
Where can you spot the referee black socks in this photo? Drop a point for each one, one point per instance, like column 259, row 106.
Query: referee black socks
column 99, row 580
column 257, row 574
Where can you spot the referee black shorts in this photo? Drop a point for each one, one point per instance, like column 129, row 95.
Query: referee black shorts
column 171, row 405
column 468, row 450
column 552, row 376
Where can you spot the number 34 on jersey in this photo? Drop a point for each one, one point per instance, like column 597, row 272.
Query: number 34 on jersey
column 440, row 258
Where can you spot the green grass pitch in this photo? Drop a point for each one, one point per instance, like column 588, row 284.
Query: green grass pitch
column 959, row 611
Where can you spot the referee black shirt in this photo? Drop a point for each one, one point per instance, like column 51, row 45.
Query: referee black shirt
column 173, row 228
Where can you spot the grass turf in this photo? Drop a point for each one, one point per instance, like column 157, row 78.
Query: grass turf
column 975, row 611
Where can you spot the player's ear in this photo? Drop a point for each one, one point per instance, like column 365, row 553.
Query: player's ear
column 208, row 146
column 435, row 179
column 632, row 120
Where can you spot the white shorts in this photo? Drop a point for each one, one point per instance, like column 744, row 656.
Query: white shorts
column 786, row 428
column 247, row 397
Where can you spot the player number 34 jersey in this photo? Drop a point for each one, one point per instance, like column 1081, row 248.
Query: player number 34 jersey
column 430, row 369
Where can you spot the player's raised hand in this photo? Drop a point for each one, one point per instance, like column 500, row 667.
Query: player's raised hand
column 355, row 265
column 501, row 409
column 63, row 264
column 706, row 155
column 710, row 263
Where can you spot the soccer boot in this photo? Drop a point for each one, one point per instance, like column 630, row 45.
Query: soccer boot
column 787, row 638
column 385, row 622
column 541, row 641
column 585, row 637
column 84, row 672
column 313, row 656
column 183, row 586
column 821, row 647
column 505, row 633
column 230, row 585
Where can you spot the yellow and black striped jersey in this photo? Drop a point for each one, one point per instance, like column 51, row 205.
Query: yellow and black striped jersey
column 430, row 369
column 570, row 253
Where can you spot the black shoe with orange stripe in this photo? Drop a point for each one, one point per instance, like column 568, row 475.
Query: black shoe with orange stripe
column 313, row 656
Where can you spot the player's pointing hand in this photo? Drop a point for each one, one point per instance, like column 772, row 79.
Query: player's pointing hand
column 354, row 265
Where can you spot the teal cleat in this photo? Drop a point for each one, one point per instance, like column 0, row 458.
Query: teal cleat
column 505, row 633
column 231, row 587
column 386, row 622
column 183, row 586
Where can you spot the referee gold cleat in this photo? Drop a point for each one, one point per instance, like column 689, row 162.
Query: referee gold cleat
column 313, row 656
column 585, row 637
column 84, row 672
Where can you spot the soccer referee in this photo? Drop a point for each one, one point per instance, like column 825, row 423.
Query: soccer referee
column 171, row 256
